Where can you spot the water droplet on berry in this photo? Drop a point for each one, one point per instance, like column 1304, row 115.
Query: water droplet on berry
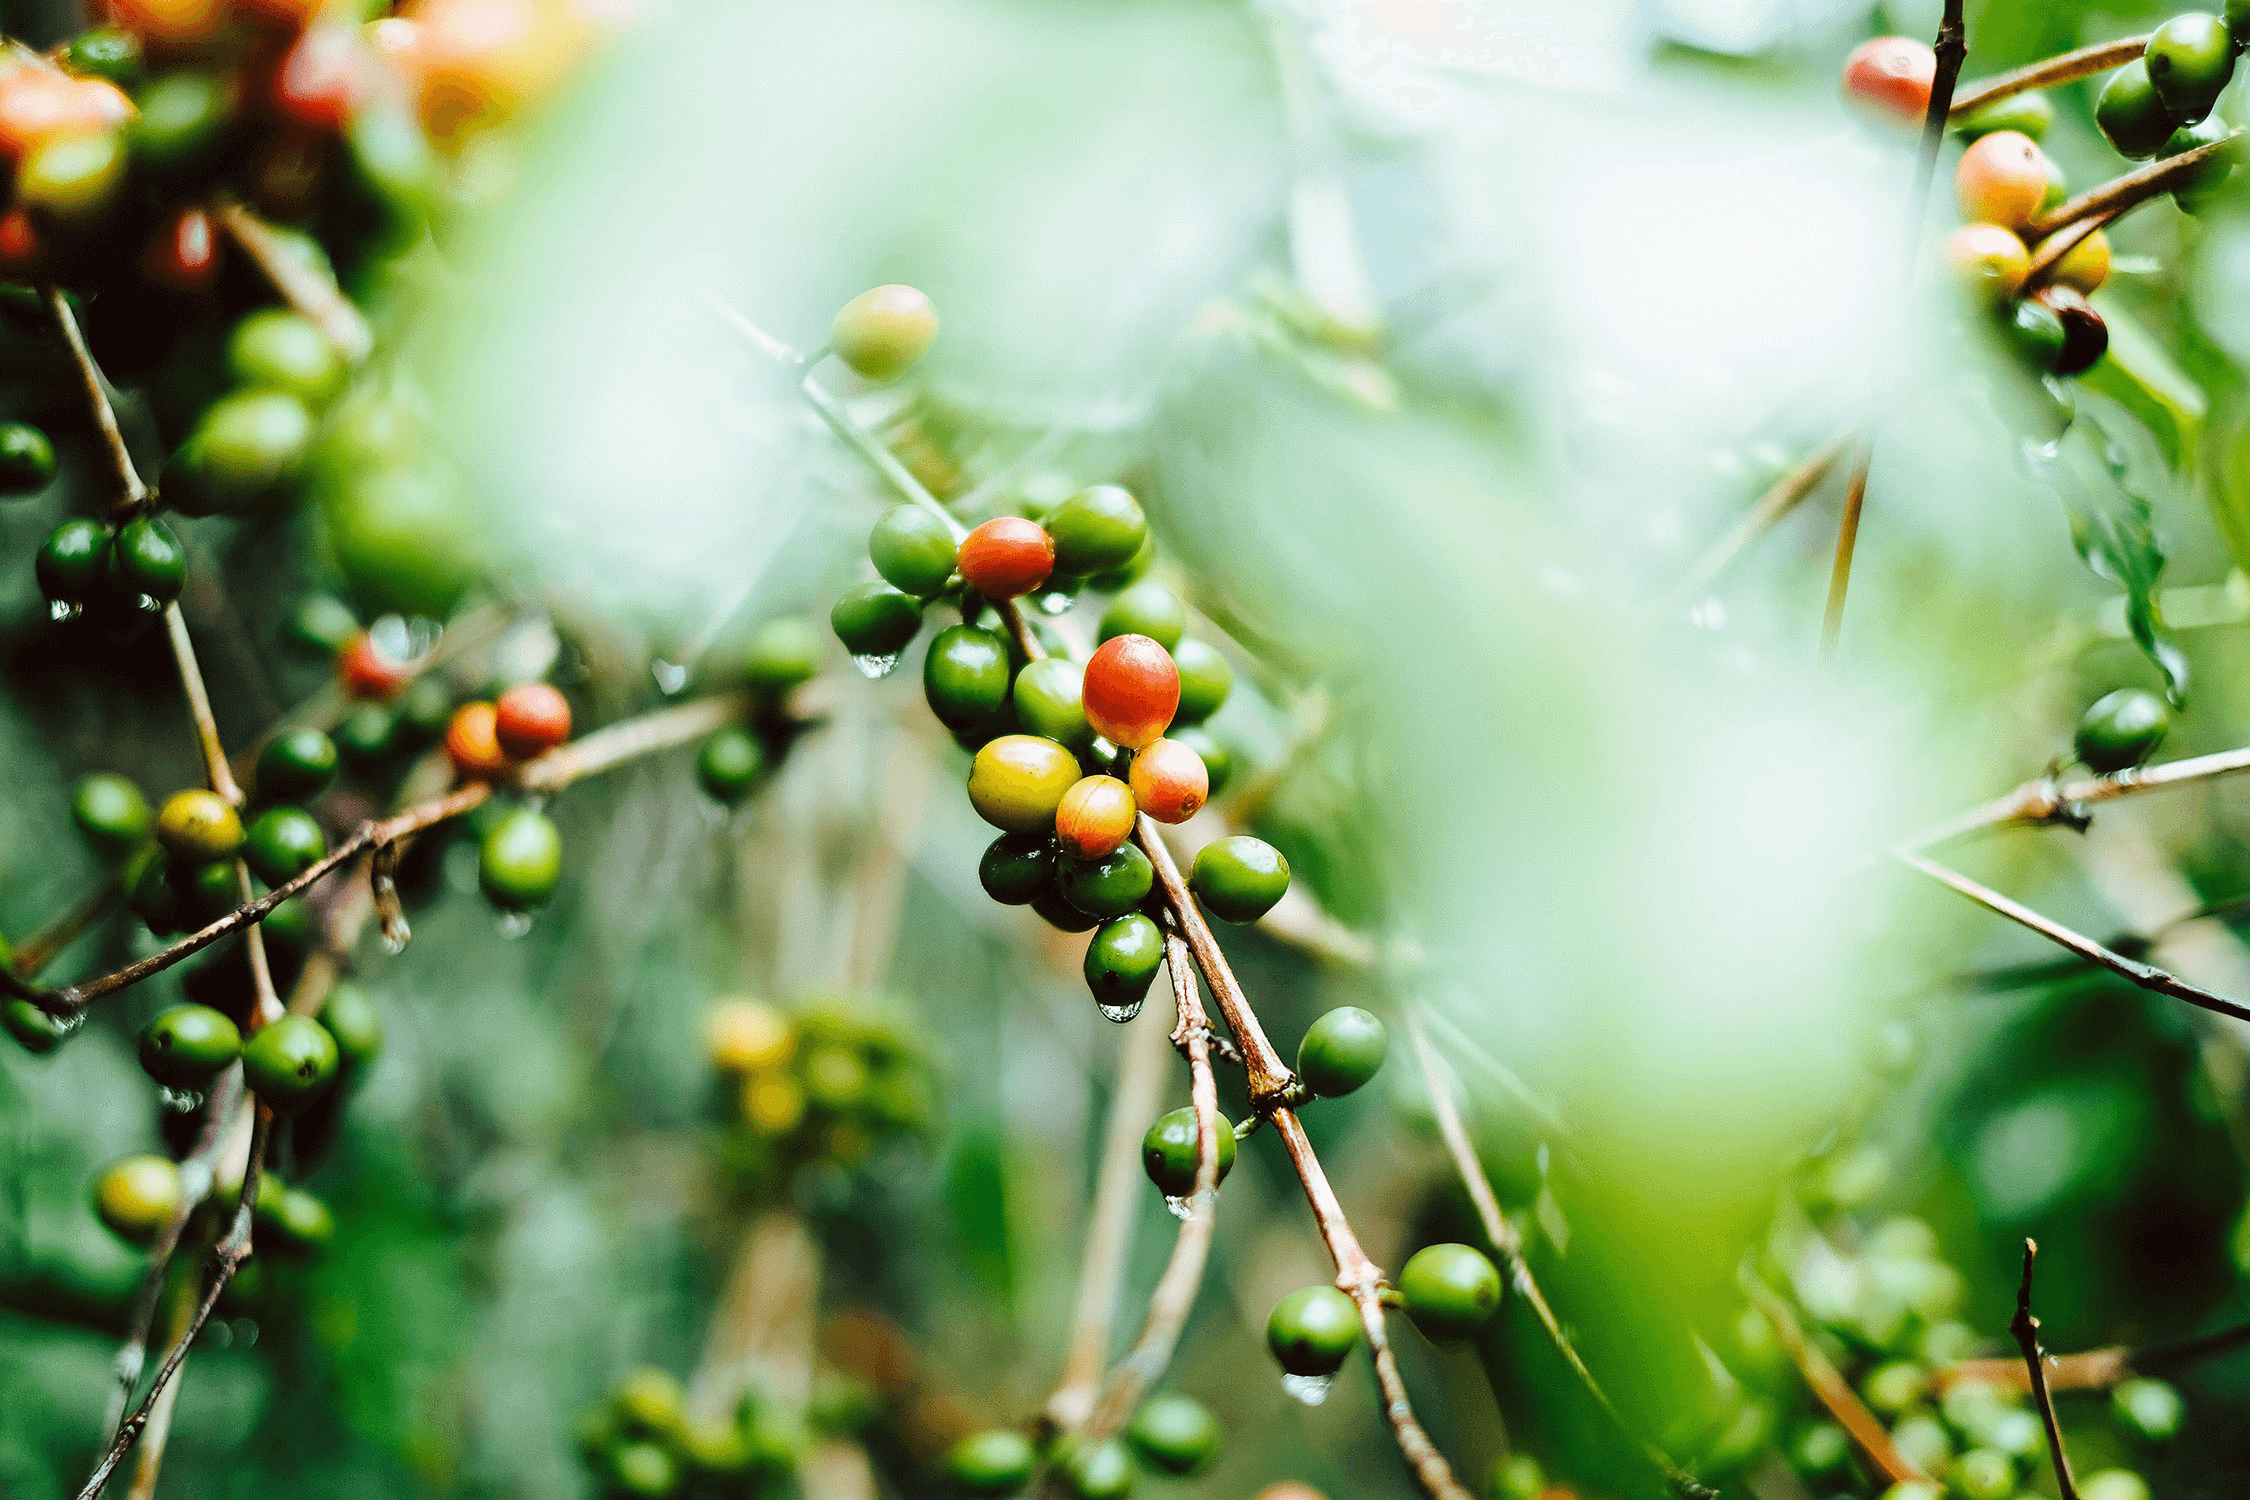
column 1310, row 1389
column 670, row 676
column 1118, row 1013
column 876, row 668
column 1056, row 602
column 1180, row 1207
column 72, row 1024
column 515, row 924
column 179, row 1101
column 59, row 610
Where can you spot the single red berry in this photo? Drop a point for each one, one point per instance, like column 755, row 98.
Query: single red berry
column 1131, row 690
column 1095, row 818
column 533, row 717
column 316, row 83
column 23, row 255
column 474, row 745
column 367, row 671
column 1006, row 557
column 1891, row 78
column 184, row 255
column 1170, row 782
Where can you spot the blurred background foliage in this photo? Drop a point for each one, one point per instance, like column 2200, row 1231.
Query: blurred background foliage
column 1439, row 340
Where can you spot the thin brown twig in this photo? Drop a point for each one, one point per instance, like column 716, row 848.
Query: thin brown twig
column 302, row 283
column 159, row 1428
column 1829, row 1387
column 1781, row 497
column 1508, row 1241
column 2094, row 1369
column 2047, row 800
column 2055, row 246
column 1847, row 543
column 2062, row 68
column 2111, row 198
column 131, row 492
column 2026, row 1329
column 1271, row 1080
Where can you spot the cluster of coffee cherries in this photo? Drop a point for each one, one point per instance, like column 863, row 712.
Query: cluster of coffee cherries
column 821, row 1085
column 739, row 758
column 1172, row 1434
column 641, row 1443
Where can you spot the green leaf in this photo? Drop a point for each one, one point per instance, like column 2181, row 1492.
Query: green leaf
column 2138, row 375
column 2107, row 467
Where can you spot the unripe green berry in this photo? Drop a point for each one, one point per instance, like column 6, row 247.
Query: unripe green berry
column 290, row 1063
column 874, row 619
column 2130, row 114
column 784, row 654
column 282, row 843
column 1239, row 878
column 1017, row 867
column 296, row 765
column 73, row 562
column 965, row 676
column 520, row 863
column 913, row 550
column 1341, row 1051
column 2190, row 60
column 352, row 1019
column 729, row 764
column 1096, row 530
column 881, row 332
column 1122, row 960
column 286, row 351
column 1451, row 1291
column 1109, row 886
column 1146, row 608
column 27, row 460
column 2121, row 730
column 2149, row 1410
column 1049, row 701
column 1169, row 1152
column 112, row 813
column 1174, row 1433
column 1313, row 1330
column 992, row 1463
column 187, row 1045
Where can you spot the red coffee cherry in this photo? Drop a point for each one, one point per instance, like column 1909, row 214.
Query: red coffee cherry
column 2002, row 180
column 1006, row 557
column 1890, row 79
column 1131, row 690
column 316, row 83
column 471, row 741
column 1095, row 818
column 1170, row 782
column 366, row 671
column 184, row 255
column 530, row 718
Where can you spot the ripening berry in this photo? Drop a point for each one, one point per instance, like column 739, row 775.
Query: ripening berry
column 183, row 254
column 1990, row 262
column 173, row 23
column 2002, row 179
column 1007, row 557
column 1312, row 1330
column 2121, row 730
column 474, row 744
column 2190, row 60
column 1169, row 782
column 135, row 1196
column 881, row 332
column 37, row 106
column 2031, row 112
column 747, row 1037
column 316, row 84
column 1170, row 1150
column 994, row 1463
column 530, row 719
column 23, row 252
column 366, row 670
column 1889, row 78
column 2085, row 334
column 1131, row 690
column 71, row 177
column 1018, row 780
column 2130, row 114
column 196, row 825
column 290, row 1063
column 1342, row 1051
column 2085, row 265
column 1094, row 817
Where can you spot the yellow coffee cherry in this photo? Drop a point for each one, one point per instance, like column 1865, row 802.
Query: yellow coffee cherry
column 747, row 1036
column 881, row 332
column 2086, row 264
column 773, row 1103
column 137, row 1195
column 199, row 826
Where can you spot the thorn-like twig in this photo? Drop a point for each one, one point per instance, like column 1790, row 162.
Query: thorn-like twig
column 2026, row 1329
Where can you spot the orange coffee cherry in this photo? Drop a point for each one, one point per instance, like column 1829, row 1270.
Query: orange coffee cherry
column 1006, row 557
column 1131, row 690
column 1990, row 261
column 474, row 745
column 1095, row 818
column 2002, row 180
column 1890, row 79
column 532, row 717
column 367, row 671
column 1170, row 782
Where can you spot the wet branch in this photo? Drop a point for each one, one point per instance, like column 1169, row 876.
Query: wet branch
column 2026, row 1329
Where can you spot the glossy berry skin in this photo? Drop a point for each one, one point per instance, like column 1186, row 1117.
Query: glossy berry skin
column 298, row 1220
column 290, row 1063
column 207, row 891
column 1205, row 680
column 2085, row 265
column 1890, row 78
column 286, row 351
column 135, row 1196
column 472, row 741
column 1169, row 782
column 352, row 1019
column 1095, row 818
column 27, row 460
column 729, row 764
column 106, row 52
column 112, row 813
column 296, row 765
column 1239, row 878
column 282, row 843
column 2149, row 1410
column 1218, row 760
column 1312, row 1330
column 2130, row 115
column 1146, row 608
column 1108, row 886
column 1017, row 867
column 530, row 719
column 1050, row 701
column 2031, row 112
column 2190, row 60
column 1451, row 1291
column 2035, row 331
column 198, row 825
column 1103, row 1472
column 2001, row 179
column 1989, row 262
column 994, row 1463
column 1096, row 530
column 34, row 1030
column 1050, row 907
column 73, row 561
column 965, row 676
column 187, row 1045
column 2121, row 730
column 521, row 861
column 1018, row 781
column 2201, row 188
column 2085, row 334
column 1168, row 1151
column 322, row 623
column 1174, row 1433
column 1122, row 959
column 882, row 332
column 913, row 550
column 1007, row 557
column 367, row 734
column 366, row 670
column 1131, row 690
column 1341, row 1051
column 874, row 619
column 145, row 557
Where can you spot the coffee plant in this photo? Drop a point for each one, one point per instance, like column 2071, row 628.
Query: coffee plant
column 504, row 999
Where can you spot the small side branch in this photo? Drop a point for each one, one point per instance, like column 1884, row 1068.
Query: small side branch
column 2096, row 1369
column 2026, row 1329
column 302, row 284
column 216, row 769
column 1829, row 1387
column 2061, row 68
column 2119, row 194
column 131, row 492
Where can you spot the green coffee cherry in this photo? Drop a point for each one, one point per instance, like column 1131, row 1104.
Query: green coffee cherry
column 1169, row 1151
column 367, row 734
column 145, row 557
column 187, row 1045
column 729, row 764
column 1239, row 878
column 2121, row 730
column 1451, row 1291
column 1821, row 1450
column 644, row 1470
column 1133, row 570
column 207, row 890
column 2190, row 60
column 183, row 116
column 2130, row 114
column 784, row 654
column 965, row 676
column 109, row 52
column 27, row 460
column 34, row 1030
column 112, row 813
column 1100, row 1473
column 993, row 1463
column 296, row 765
column 1312, row 1331
column 285, row 351
column 1984, row 1474
column 1017, row 867
column 1059, row 914
column 2035, row 333
column 290, row 1063
column 1341, row 1051
column 2029, row 113
column 1205, row 679
column 73, row 561
column 71, row 177
column 249, row 441
column 1096, row 530
column 1174, row 1433
column 1122, row 960
column 2113, row 1484
column 155, row 901
column 299, row 1221
column 351, row 1018
column 913, row 550
column 2203, row 187
column 135, row 1197
column 282, row 843
column 2149, row 1410
column 1107, row 887
column 874, row 619
column 1049, row 701
column 1146, row 608
column 322, row 623
column 521, row 861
